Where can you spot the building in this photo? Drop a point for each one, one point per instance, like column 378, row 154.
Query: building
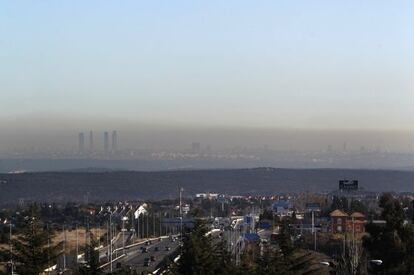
column 341, row 222
column 209, row 196
column 114, row 141
column 106, row 142
column 90, row 141
column 195, row 147
column 81, row 142
column 282, row 208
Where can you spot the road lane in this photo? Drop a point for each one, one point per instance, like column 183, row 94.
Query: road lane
column 134, row 258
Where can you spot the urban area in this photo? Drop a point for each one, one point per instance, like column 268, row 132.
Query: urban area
column 345, row 231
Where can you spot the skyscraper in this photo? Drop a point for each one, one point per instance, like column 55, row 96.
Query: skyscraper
column 90, row 141
column 81, row 142
column 106, row 142
column 195, row 147
column 114, row 141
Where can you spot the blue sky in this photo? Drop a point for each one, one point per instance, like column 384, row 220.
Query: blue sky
column 305, row 64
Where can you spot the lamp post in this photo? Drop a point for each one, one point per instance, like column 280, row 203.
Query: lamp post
column 181, row 216
column 123, row 233
column 11, row 247
column 110, row 239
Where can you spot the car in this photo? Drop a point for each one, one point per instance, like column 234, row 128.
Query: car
column 147, row 263
column 152, row 258
column 156, row 248
column 148, row 243
column 145, row 250
column 167, row 248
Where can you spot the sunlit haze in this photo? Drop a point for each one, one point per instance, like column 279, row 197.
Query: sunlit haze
column 301, row 64
column 233, row 80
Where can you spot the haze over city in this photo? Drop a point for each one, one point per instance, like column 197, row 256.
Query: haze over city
column 206, row 137
column 318, row 65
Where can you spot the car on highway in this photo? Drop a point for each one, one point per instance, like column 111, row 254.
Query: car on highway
column 144, row 250
column 148, row 243
column 152, row 258
column 167, row 248
column 147, row 262
column 156, row 249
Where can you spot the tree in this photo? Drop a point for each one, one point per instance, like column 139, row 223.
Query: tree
column 394, row 242
column 339, row 203
column 92, row 258
column 285, row 239
column 32, row 250
column 352, row 260
column 200, row 256
column 357, row 206
column 196, row 252
column 272, row 261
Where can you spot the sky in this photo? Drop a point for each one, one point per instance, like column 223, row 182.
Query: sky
column 272, row 64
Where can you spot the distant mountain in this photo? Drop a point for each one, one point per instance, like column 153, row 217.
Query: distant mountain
column 102, row 186
column 89, row 170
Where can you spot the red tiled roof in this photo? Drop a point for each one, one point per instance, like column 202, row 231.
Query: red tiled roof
column 338, row 213
column 357, row 215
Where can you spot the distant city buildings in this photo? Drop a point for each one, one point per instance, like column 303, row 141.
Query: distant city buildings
column 90, row 141
column 91, row 150
column 114, row 141
column 106, row 143
column 195, row 147
column 81, row 143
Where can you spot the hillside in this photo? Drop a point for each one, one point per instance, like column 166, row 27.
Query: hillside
column 75, row 186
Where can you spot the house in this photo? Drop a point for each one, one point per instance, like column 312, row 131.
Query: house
column 342, row 222
column 282, row 208
column 356, row 223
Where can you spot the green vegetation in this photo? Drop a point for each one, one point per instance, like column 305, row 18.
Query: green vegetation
column 345, row 205
column 92, row 258
column 393, row 243
column 200, row 255
column 203, row 255
column 32, row 249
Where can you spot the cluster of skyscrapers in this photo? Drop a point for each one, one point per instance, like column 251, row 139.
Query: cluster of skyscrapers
column 106, row 141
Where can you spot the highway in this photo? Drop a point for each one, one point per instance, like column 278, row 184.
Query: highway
column 134, row 257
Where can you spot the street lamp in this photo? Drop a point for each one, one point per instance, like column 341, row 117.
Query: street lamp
column 376, row 262
column 11, row 247
column 110, row 238
column 123, row 232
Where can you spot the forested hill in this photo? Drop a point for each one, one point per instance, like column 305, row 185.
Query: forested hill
column 111, row 185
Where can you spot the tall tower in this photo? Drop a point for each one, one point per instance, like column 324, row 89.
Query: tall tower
column 106, row 142
column 81, row 142
column 114, row 141
column 90, row 141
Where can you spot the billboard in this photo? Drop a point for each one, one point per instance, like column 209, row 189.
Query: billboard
column 348, row 185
